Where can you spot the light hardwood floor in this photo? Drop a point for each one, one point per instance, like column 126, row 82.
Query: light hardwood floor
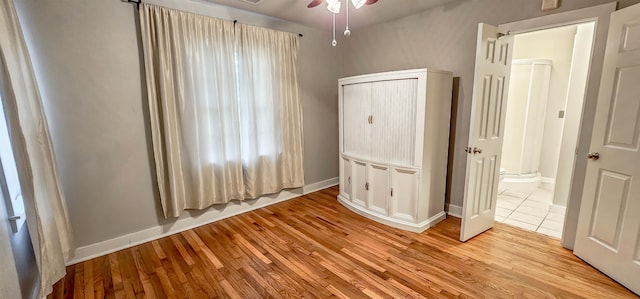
column 312, row 247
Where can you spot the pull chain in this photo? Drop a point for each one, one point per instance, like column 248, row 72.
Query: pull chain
column 347, row 32
column 334, row 42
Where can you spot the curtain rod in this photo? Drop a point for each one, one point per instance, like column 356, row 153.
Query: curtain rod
column 137, row 2
column 299, row 34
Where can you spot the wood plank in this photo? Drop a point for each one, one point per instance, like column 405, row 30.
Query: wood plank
column 313, row 247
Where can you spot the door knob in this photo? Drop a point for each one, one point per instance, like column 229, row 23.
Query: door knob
column 593, row 156
column 477, row 150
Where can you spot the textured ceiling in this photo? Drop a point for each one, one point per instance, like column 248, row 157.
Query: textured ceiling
column 319, row 17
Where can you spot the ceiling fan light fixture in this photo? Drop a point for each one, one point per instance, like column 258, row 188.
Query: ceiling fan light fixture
column 334, row 6
column 358, row 3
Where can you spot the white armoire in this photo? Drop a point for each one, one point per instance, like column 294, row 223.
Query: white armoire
column 394, row 139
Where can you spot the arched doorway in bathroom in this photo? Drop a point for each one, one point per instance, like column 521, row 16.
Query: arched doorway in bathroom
column 546, row 94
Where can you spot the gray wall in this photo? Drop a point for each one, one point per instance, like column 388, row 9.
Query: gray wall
column 442, row 38
column 87, row 61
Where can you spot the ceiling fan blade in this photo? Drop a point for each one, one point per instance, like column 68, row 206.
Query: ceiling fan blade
column 369, row 2
column 314, row 3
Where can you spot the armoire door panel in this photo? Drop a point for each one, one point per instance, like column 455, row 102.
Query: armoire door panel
column 393, row 107
column 380, row 144
column 404, row 201
column 359, row 183
column 345, row 178
column 378, row 188
column 356, row 114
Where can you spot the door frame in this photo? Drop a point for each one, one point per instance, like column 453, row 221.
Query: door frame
column 600, row 14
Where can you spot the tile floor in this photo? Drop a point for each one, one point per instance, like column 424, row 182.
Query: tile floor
column 530, row 209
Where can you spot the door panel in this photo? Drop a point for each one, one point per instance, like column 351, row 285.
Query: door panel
column 355, row 125
column 493, row 65
column 394, row 121
column 608, row 235
column 404, row 198
column 378, row 188
column 610, row 200
column 345, row 178
column 359, row 186
column 380, row 94
column 624, row 124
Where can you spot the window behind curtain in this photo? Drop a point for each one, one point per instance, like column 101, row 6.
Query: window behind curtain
column 226, row 118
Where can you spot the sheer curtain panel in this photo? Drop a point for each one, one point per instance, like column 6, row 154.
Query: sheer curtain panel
column 190, row 72
column 47, row 216
column 225, row 115
column 270, row 110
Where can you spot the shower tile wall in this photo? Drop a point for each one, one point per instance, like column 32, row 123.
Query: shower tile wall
column 531, row 210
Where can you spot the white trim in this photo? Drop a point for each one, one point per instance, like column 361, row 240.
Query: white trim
column 527, row 61
column 557, row 209
column 393, row 222
column 453, row 210
column 212, row 215
column 320, row 185
column 547, row 180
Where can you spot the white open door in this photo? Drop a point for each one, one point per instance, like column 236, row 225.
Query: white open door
column 608, row 235
column 490, row 87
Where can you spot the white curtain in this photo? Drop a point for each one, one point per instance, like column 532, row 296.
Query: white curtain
column 46, row 210
column 199, row 120
column 270, row 110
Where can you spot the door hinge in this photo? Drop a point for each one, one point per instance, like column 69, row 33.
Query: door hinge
column 391, row 192
column 366, row 186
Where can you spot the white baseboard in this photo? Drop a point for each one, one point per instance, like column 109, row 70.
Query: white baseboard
column 320, row 185
column 547, row 180
column 558, row 209
column 213, row 214
column 453, row 210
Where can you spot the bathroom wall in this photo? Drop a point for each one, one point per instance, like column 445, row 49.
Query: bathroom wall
column 575, row 100
column 526, row 110
column 556, row 45
column 516, row 117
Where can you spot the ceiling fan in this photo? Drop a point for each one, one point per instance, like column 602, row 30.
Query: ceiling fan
column 315, row 3
column 334, row 7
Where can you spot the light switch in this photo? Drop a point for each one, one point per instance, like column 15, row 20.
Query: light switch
column 561, row 114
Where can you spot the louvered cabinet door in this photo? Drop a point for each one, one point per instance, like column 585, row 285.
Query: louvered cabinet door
column 393, row 128
column 356, row 127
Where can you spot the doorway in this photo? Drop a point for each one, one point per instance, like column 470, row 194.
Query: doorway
column 549, row 73
column 16, row 249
